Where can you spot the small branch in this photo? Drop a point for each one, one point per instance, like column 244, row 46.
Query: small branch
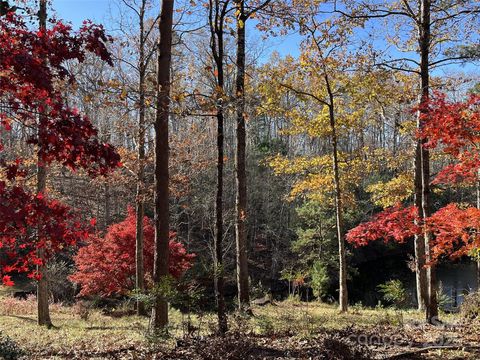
column 299, row 92
column 408, row 354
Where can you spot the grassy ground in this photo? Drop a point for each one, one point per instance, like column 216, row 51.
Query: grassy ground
column 79, row 329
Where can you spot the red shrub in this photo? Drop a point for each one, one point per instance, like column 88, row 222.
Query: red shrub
column 106, row 265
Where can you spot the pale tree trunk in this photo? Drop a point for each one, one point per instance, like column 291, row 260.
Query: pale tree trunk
column 419, row 243
column 216, row 21
column 430, row 301
column 42, row 285
column 159, row 317
column 342, row 275
column 107, row 205
column 240, row 167
column 140, row 196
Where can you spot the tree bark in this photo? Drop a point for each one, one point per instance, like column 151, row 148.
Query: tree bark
column 240, row 167
column 107, row 205
column 342, row 276
column 422, row 161
column 140, row 196
column 478, row 207
column 159, row 317
column 216, row 20
column 42, row 284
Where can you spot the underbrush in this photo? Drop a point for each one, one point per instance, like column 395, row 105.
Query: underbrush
column 10, row 306
column 307, row 329
column 470, row 308
column 9, row 349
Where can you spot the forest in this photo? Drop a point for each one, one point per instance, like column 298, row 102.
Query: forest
column 240, row 179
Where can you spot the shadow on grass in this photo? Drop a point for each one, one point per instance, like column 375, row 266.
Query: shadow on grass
column 72, row 326
column 29, row 319
column 113, row 328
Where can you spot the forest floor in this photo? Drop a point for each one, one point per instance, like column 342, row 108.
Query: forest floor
column 285, row 330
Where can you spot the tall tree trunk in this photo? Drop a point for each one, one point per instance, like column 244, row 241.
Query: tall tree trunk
column 140, row 196
column 216, row 19
column 419, row 243
column 422, row 161
column 240, row 168
column 42, row 285
column 342, row 276
column 107, row 205
column 159, row 318
column 478, row 207
column 218, row 261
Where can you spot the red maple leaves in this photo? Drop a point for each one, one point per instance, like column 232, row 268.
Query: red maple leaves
column 453, row 127
column 456, row 231
column 396, row 223
column 30, row 222
column 106, row 266
column 32, row 63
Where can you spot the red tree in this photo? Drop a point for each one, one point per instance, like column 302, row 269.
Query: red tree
column 106, row 266
column 454, row 128
column 396, row 223
column 31, row 63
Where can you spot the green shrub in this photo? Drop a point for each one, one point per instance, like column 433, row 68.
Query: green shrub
column 320, row 279
column 394, row 292
column 265, row 325
column 444, row 301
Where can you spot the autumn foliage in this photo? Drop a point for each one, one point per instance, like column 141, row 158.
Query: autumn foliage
column 57, row 226
column 106, row 265
column 396, row 223
column 32, row 65
column 456, row 231
column 453, row 128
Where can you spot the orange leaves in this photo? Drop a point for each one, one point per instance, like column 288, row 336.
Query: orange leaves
column 395, row 223
column 455, row 230
column 455, row 127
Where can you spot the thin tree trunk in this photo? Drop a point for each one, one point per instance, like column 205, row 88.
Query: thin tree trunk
column 107, row 205
column 419, row 243
column 140, row 196
column 216, row 19
column 42, row 285
column 424, row 161
column 342, row 277
column 218, row 261
column 159, row 318
column 478, row 207
column 240, row 159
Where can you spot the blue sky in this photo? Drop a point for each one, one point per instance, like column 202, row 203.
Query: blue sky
column 75, row 11
column 100, row 11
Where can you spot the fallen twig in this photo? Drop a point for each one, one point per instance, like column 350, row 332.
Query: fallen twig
column 429, row 348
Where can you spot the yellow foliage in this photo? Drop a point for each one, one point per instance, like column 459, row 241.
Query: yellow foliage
column 392, row 192
column 314, row 176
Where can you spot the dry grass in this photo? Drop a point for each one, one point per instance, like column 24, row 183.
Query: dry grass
column 75, row 330
column 308, row 318
column 79, row 329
